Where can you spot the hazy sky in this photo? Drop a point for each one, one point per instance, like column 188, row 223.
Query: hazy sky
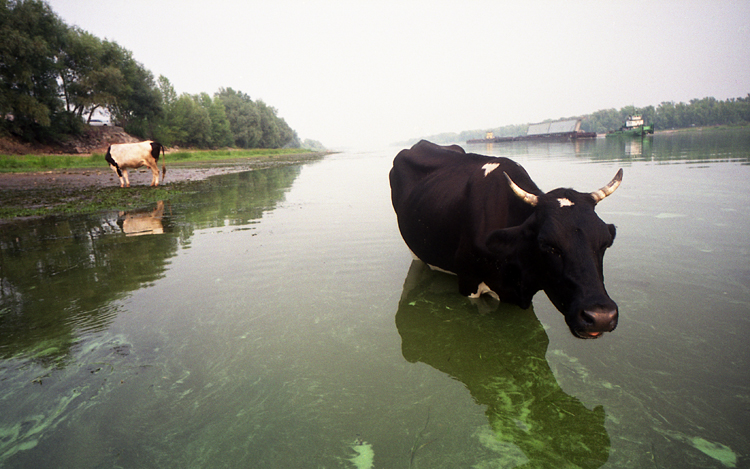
column 363, row 73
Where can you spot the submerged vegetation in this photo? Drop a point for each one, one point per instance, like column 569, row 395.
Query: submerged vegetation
column 66, row 201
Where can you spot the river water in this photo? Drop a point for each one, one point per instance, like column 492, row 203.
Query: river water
column 275, row 318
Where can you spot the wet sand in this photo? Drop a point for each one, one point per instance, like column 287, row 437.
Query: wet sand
column 56, row 190
column 176, row 172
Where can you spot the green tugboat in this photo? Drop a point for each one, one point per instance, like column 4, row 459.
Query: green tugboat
column 634, row 126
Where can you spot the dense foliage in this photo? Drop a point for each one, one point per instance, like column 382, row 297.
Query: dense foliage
column 668, row 115
column 53, row 77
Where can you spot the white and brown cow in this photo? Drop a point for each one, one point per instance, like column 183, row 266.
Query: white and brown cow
column 124, row 156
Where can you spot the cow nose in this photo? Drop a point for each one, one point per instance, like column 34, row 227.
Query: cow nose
column 599, row 319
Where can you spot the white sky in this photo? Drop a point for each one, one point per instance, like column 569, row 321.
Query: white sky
column 363, row 73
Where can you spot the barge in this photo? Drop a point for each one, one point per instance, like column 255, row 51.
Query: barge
column 557, row 131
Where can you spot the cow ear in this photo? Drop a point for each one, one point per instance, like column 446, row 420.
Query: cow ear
column 502, row 241
column 612, row 231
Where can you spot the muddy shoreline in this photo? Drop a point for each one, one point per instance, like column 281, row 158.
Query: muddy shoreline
column 54, row 192
column 176, row 172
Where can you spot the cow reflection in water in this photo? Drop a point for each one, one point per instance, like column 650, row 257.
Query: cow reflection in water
column 500, row 357
column 142, row 222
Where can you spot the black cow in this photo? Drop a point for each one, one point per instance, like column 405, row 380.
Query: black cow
column 483, row 219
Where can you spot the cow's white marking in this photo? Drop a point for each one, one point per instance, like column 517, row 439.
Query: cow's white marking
column 489, row 167
column 565, row 202
column 482, row 289
column 433, row 267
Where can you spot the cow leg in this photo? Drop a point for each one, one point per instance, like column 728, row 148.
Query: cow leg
column 118, row 175
column 155, row 175
column 125, row 175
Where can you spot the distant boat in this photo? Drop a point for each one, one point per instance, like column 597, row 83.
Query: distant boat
column 634, row 126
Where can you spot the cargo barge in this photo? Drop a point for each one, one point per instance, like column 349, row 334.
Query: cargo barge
column 558, row 131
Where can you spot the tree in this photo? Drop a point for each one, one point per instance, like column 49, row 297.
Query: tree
column 191, row 121
column 243, row 116
column 52, row 76
column 270, row 130
column 665, row 115
column 221, row 133
column 165, row 130
column 168, row 94
column 138, row 105
column 91, row 77
column 31, row 38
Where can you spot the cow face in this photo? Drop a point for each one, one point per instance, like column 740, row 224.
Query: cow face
column 570, row 244
column 560, row 249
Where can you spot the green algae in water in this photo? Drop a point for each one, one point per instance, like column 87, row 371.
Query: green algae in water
column 365, row 455
column 720, row 452
column 292, row 388
column 717, row 451
column 510, row 454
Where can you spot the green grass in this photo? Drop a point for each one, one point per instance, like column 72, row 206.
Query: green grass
column 198, row 156
column 56, row 200
column 31, row 163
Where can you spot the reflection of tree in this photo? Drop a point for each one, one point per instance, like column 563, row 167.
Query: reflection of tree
column 237, row 199
column 500, row 357
column 58, row 273
column 58, row 276
column 679, row 147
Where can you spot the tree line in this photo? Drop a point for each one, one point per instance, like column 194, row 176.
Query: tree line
column 54, row 77
column 670, row 115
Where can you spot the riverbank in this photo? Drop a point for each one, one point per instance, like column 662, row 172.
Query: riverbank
column 68, row 191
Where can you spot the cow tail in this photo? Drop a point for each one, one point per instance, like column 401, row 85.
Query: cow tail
column 163, row 164
column 108, row 158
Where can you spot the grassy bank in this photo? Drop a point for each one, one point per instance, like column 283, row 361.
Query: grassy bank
column 32, row 163
column 45, row 191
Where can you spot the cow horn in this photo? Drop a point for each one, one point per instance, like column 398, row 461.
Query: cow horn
column 530, row 199
column 608, row 189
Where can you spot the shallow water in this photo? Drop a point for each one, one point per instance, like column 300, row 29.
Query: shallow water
column 276, row 319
